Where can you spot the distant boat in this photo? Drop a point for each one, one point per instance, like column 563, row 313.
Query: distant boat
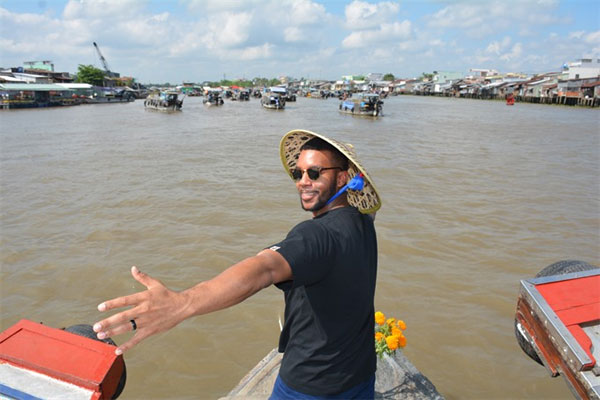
column 100, row 94
column 510, row 99
column 213, row 98
column 274, row 98
column 241, row 95
column 368, row 104
column 164, row 101
column 290, row 96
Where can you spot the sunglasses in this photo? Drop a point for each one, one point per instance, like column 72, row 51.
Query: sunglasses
column 313, row 172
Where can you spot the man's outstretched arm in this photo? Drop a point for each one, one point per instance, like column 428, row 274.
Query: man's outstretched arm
column 158, row 308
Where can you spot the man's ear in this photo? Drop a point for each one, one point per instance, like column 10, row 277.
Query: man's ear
column 342, row 179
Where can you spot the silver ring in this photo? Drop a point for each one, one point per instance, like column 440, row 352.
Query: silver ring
column 133, row 324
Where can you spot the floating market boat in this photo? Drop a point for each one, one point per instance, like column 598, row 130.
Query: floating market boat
column 290, row 96
column 319, row 94
column 244, row 95
column 396, row 378
column 101, row 95
column 367, row 104
column 164, row 101
column 557, row 324
column 240, row 94
column 274, row 98
column 510, row 99
column 213, row 98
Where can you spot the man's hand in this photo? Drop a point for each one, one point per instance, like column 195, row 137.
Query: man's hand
column 154, row 310
column 158, row 309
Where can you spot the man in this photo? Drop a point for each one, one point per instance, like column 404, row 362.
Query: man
column 326, row 267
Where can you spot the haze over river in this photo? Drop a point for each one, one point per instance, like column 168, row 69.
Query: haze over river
column 476, row 196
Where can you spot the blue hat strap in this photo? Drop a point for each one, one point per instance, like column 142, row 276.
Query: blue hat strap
column 356, row 183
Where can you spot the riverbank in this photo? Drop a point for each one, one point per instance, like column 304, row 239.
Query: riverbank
column 554, row 100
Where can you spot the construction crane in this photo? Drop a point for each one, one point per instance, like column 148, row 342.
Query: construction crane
column 103, row 60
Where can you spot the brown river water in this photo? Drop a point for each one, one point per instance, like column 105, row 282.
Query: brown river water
column 476, row 196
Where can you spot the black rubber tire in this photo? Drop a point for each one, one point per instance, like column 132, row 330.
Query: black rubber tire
column 565, row 267
column 88, row 332
column 558, row 268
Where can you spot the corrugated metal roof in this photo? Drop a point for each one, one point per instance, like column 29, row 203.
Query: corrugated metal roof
column 36, row 87
column 591, row 84
column 11, row 79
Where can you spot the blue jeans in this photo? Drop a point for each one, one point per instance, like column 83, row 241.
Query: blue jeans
column 363, row 391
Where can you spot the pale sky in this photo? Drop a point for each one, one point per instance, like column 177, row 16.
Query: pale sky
column 179, row 41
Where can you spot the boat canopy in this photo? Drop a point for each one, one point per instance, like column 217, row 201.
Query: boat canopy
column 277, row 89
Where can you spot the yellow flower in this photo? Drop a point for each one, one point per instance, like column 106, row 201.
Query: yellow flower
column 389, row 335
column 392, row 342
column 402, row 341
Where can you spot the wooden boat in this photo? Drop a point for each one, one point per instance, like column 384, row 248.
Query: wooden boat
column 510, row 99
column 274, row 98
column 319, row 94
column 367, row 104
column 40, row 362
column 290, row 96
column 101, row 95
column 557, row 324
column 241, row 95
column 396, row 378
column 163, row 101
column 213, row 98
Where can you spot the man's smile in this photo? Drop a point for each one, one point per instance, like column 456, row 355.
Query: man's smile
column 308, row 195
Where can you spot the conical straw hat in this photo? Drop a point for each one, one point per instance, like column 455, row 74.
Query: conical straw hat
column 366, row 200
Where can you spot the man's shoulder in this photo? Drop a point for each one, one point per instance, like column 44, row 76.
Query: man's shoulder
column 307, row 225
column 328, row 220
column 343, row 214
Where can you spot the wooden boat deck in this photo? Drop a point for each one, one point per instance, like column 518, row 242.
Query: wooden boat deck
column 396, row 378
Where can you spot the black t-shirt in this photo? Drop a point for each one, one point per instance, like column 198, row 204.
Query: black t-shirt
column 328, row 335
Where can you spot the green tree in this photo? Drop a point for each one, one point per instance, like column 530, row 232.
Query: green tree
column 90, row 74
column 260, row 81
column 389, row 77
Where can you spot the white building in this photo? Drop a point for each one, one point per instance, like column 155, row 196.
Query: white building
column 582, row 69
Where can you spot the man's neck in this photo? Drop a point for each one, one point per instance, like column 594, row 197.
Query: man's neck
column 336, row 204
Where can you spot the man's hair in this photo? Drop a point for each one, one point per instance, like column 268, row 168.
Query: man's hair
column 317, row 143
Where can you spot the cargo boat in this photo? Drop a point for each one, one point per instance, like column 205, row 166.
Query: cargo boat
column 368, row 104
column 163, row 101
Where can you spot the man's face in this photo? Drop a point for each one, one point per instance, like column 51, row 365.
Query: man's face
column 315, row 193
